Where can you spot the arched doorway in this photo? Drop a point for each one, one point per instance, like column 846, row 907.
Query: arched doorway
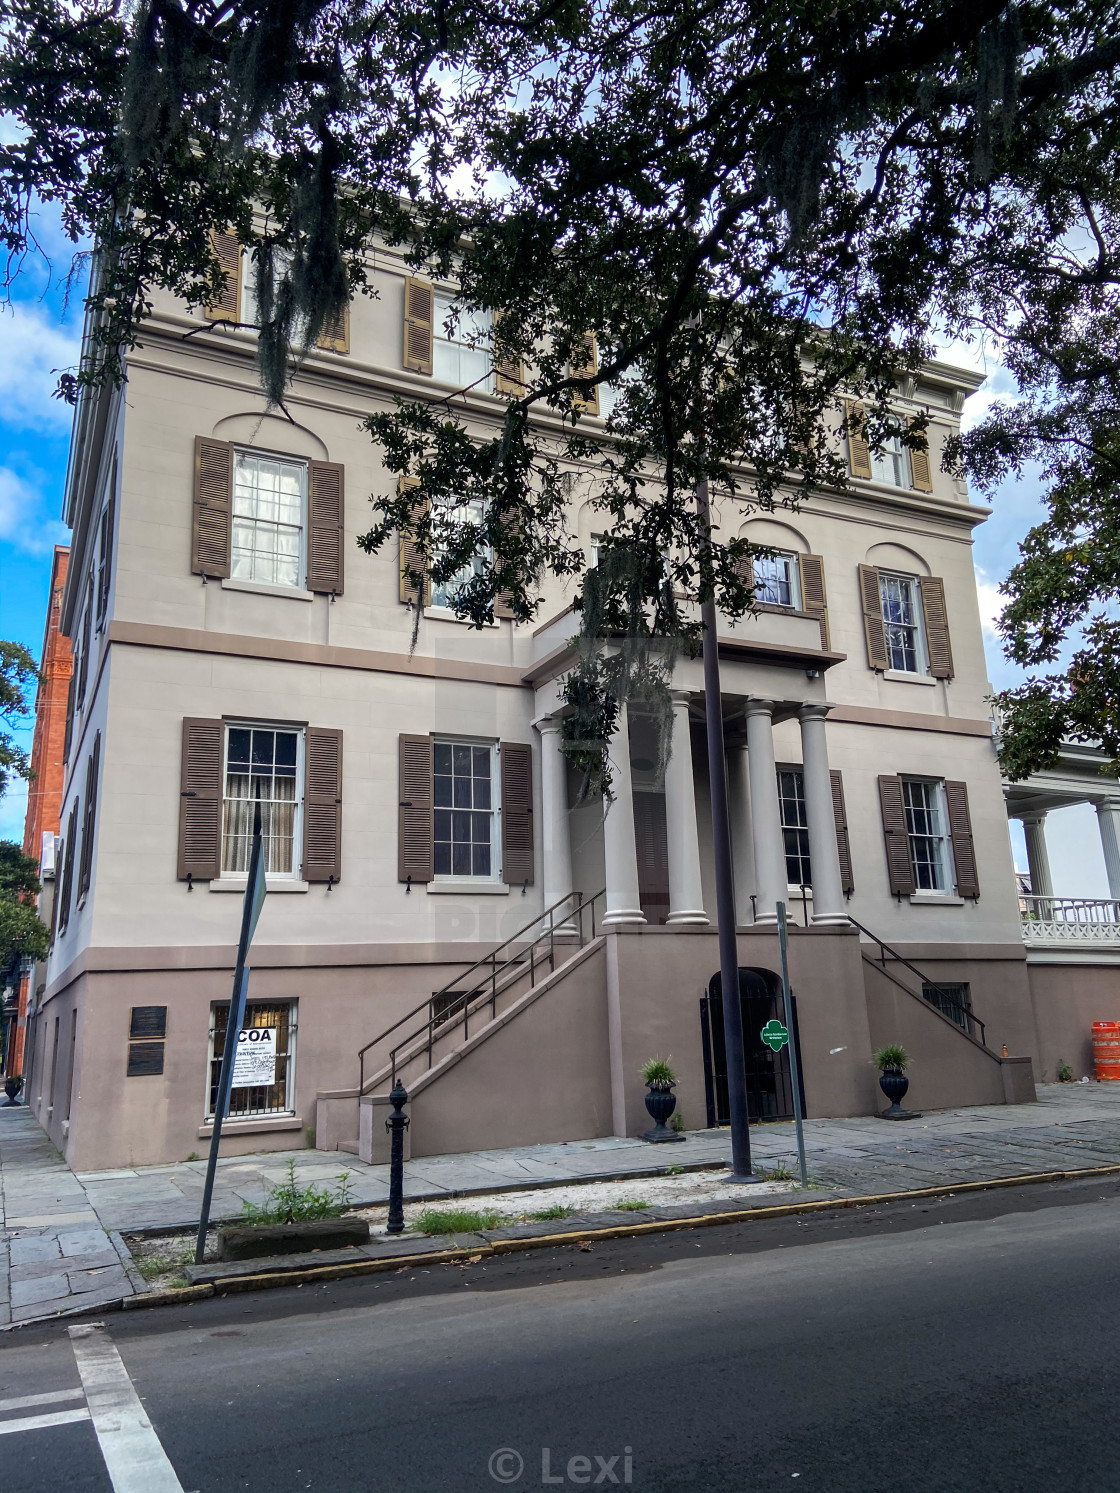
column 769, row 1089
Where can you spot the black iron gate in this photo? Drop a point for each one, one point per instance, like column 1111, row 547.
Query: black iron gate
column 769, row 1090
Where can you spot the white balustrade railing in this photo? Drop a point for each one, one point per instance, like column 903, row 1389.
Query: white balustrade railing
column 1081, row 920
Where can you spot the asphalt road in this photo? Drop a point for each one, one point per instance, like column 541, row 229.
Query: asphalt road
column 919, row 1348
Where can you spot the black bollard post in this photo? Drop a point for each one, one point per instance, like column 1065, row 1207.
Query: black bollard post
column 396, row 1124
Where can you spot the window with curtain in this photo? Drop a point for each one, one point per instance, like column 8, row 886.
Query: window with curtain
column 462, row 345
column 269, row 519
column 263, row 763
column 795, row 825
column 927, row 827
column 890, row 464
column 776, row 580
column 902, row 612
column 465, row 818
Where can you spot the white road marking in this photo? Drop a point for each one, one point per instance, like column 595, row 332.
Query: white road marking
column 43, row 1422
column 24, row 1402
column 134, row 1458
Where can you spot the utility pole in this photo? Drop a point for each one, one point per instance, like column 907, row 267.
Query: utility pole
column 725, row 885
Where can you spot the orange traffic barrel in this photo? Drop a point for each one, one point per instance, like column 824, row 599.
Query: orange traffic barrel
column 1106, row 1050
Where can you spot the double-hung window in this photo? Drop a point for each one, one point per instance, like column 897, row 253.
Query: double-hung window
column 462, row 345
column 902, row 614
column 795, row 825
column 776, row 581
column 449, row 518
column 269, row 519
column 467, row 840
column 927, row 829
column 264, row 765
column 889, row 464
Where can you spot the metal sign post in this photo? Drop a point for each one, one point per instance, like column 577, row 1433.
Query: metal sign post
column 795, row 1081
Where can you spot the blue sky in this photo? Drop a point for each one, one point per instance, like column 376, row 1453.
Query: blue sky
column 40, row 333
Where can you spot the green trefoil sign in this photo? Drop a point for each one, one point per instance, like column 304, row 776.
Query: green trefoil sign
column 775, row 1035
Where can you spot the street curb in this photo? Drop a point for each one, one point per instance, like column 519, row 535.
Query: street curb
column 267, row 1280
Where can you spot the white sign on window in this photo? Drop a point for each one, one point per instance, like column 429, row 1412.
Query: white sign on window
column 255, row 1060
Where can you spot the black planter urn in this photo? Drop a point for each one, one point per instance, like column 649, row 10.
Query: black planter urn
column 660, row 1104
column 12, row 1087
column 894, row 1084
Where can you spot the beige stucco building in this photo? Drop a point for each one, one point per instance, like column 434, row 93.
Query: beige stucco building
column 230, row 637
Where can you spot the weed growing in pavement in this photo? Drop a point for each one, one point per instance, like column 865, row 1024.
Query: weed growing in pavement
column 558, row 1210
column 779, row 1173
column 455, row 1221
column 674, row 1170
column 1065, row 1072
column 634, row 1205
column 288, row 1202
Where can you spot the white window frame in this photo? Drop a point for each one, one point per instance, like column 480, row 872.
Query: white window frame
column 497, row 870
column 472, row 334
column 289, row 1072
column 295, row 873
column 921, row 650
column 104, row 548
column 801, row 829
column 443, row 594
column 894, row 452
column 300, row 583
column 789, row 559
column 944, row 839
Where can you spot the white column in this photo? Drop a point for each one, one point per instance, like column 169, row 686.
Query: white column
column 1108, row 817
column 556, row 850
column 742, row 840
column 686, row 894
column 769, row 848
column 824, row 857
column 1038, row 860
column 620, row 853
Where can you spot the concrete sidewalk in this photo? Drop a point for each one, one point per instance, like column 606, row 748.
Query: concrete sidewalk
column 61, row 1245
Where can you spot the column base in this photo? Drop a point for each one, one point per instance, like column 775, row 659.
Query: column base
column 622, row 915
column 769, row 918
column 691, row 919
column 830, row 919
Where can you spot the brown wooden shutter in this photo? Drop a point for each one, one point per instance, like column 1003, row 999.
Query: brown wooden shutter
column 200, row 800
column 412, row 557
column 843, row 843
column 509, row 371
column 85, row 868
column 67, row 879
column 859, row 452
column 589, row 365
column 937, row 626
column 326, row 527
column 335, row 336
column 419, row 325
column 414, row 813
column 873, row 630
column 212, row 523
column 921, row 472
column 814, row 598
column 517, row 812
column 964, row 851
column 227, row 251
column 900, row 870
column 322, row 818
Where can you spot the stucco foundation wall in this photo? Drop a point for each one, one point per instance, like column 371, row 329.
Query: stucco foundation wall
column 544, row 1076
column 946, row 1068
column 1067, row 999
column 997, row 978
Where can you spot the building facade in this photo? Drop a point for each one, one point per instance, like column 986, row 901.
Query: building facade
column 233, row 645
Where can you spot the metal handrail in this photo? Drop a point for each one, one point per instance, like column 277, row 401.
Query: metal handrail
column 460, row 1010
column 885, row 948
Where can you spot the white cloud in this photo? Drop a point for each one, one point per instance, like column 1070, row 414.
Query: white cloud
column 22, row 522
column 34, row 347
column 991, row 604
column 13, row 809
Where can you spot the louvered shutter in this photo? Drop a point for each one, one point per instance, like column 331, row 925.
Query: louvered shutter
column 900, row 870
column 212, row 522
column 813, row 595
column 200, row 800
column 85, row 867
column 964, row 851
column 227, row 251
column 71, row 691
column 67, row 868
column 859, row 452
column 509, row 371
column 517, row 812
column 843, row 843
column 412, row 556
column 414, row 812
column 322, row 818
column 937, row 626
column 921, row 473
column 503, row 602
column 419, row 325
column 326, row 526
column 873, row 629
column 584, row 368
column 335, row 336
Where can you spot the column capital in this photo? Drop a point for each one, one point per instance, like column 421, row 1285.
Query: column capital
column 813, row 710
column 547, row 725
column 680, row 697
column 1109, row 804
column 758, row 707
